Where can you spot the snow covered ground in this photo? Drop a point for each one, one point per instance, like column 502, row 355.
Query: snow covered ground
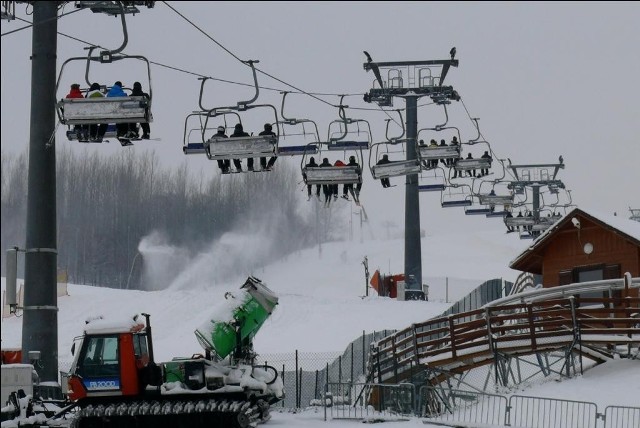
column 323, row 307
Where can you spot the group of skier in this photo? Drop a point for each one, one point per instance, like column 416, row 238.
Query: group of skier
column 331, row 191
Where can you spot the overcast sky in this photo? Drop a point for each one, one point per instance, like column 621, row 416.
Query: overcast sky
column 546, row 79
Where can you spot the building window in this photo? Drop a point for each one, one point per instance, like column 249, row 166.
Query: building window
column 590, row 273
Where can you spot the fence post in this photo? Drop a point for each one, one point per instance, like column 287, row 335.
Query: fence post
column 299, row 405
column 415, row 344
column 326, row 392
column 315, row 389
column 532, row 327
column 283, row 383
column 576, row 331
column 364, row 369
column 452, row 336
column 352, row 346
column 296, row 375
column 395, row 358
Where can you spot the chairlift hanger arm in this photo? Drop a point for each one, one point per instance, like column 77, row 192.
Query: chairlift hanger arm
column 343, row 119
column 477, row 126
column 124, row 32
column 243, row 105
column 386, row 133
column 293, row 121
column 446, row 118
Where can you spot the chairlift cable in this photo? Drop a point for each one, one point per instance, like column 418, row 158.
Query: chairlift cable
column 483, row 137
column 312, row 95
column 300, row 91
column 203, row 32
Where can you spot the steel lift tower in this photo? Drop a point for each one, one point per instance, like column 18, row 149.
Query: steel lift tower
column 411, row 80
column 534, row 177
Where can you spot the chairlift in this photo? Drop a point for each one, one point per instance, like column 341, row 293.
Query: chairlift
column 429, row 153
column 345, row 139
column 195, row 137
column 218, row 148
column 498, row 214
column 484, row 210
column 348, row 174
column 299, row 149
column 519, row 221
column 455, row 199
column 103, row 110
column 494, row 199
column 432, row 180
column 392, row 168
column 94, row 111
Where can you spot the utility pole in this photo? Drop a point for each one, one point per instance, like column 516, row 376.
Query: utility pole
column 40, row 321
column 420, row 79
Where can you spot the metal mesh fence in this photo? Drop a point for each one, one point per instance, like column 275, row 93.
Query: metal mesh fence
column 306, row 374
column 370, row 400
column 462, row 406
column 536, row 412
column 621, row 417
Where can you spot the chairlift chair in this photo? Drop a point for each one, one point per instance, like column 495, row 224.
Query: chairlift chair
column 519, row 221
column 428, row 153
column 482, row 210
column 94, row 111
column 195, row 137
column 463, row 165
column 432, row 180
column 497, row 214
column 452, row 199
column 489, row 199
column 217, row 148
column 336, row 141
column 103, row 110
column 343, row 138
column 394, row 168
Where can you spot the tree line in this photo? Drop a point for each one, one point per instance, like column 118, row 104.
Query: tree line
column 107, row 204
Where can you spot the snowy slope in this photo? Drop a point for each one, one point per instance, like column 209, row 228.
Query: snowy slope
column 322, row 308
column 322, row 305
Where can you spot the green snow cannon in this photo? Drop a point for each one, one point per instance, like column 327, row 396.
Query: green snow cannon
column 247, row 313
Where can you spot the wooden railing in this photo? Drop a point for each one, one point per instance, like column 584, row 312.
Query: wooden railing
column 535, row 321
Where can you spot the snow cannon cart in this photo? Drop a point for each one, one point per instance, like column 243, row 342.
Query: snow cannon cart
column 236, row 326
column 115, row 382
